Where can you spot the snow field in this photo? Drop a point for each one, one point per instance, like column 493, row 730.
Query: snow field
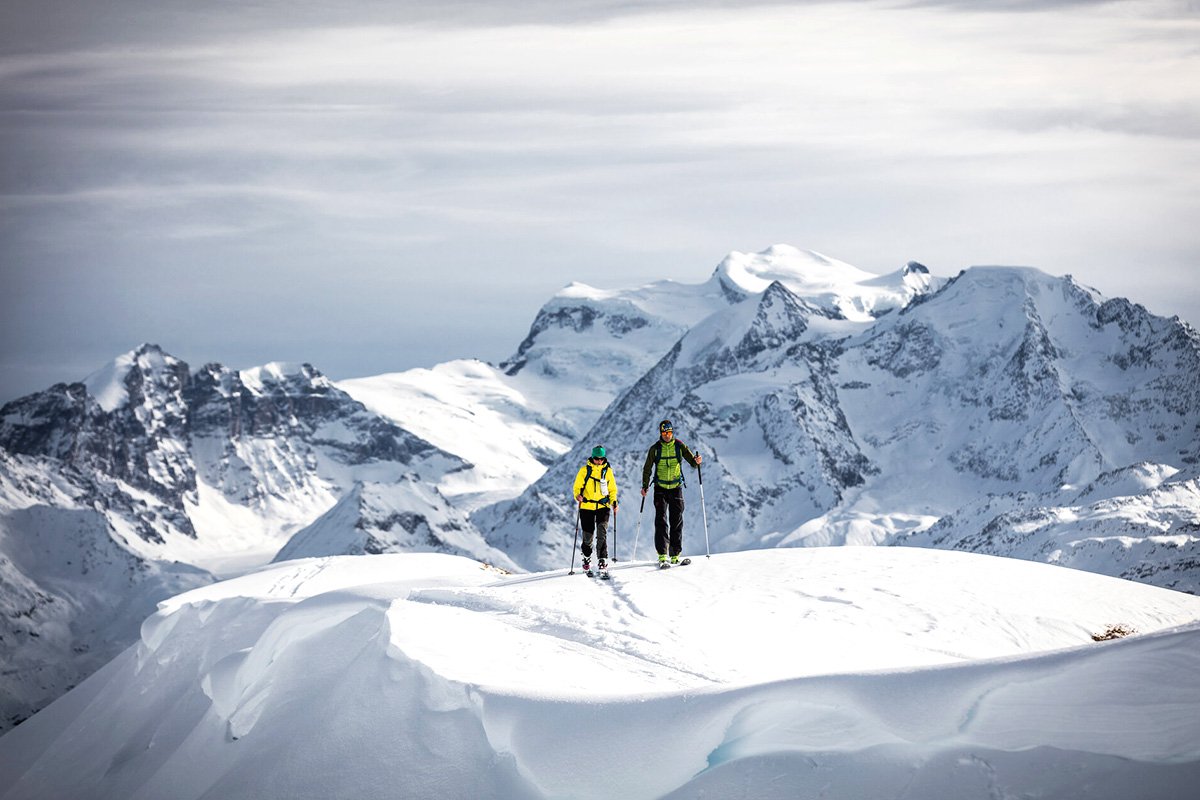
column 849, row 671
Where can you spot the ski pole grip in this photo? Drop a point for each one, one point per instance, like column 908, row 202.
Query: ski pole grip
column 643, row 508
column 700, row 475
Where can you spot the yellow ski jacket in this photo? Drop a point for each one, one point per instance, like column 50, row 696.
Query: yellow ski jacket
column 598, row 485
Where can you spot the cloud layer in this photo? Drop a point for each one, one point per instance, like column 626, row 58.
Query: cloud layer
column 380, row 186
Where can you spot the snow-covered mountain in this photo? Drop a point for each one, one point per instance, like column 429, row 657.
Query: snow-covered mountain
column 1139, row 522
column 585, row 347
column 125, row 488
column 820, row 429
column 474, row 410
column 216, row 464
column 745, row 292
column 592, row 343
column 835, row 672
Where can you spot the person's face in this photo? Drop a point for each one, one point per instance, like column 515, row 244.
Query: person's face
column 667, row 435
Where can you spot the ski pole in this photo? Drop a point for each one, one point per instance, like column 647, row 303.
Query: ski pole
column 639, row 527
column 700, row 475
column 575, row 541
column 614, row 515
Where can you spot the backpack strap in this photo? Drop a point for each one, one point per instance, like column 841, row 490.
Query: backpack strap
column 603, row 501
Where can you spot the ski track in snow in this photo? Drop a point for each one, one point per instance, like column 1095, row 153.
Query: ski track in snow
column 289, row 585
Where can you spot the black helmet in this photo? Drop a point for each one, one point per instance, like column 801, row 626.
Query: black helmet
column 664, row 426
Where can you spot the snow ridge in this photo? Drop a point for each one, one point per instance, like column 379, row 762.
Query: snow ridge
column 920, row 674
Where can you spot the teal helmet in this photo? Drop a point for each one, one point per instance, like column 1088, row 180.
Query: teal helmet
column 598, row 451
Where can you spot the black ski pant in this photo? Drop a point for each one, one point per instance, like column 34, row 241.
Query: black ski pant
column 668, row 501
column 594, row 522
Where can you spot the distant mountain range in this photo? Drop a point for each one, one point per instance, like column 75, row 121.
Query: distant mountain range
column 1003, row 411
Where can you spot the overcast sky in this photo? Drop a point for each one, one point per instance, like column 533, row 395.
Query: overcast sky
column 375, row 185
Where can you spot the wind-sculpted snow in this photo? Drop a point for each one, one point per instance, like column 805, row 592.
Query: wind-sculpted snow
column 840, row 672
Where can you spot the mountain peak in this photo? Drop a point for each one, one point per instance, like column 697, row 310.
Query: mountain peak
column 839, row 289
column 801, row 271
column 276, row 373
column 109, row 385
column 576, row 290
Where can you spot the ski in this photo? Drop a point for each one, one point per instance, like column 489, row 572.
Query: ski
column 604, row 576
column 683, row 562
column 590, row 574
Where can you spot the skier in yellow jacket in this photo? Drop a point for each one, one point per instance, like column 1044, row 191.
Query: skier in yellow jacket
column 595, row 492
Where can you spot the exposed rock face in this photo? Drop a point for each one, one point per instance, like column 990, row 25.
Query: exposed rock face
column 142, row 430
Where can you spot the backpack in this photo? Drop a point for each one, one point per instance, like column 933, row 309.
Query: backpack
column 602, row 481
column 658, row 459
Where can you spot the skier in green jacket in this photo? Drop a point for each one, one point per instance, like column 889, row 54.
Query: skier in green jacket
column 665, row 459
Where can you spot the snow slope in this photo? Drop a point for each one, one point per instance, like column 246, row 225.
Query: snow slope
column 833, row 672
column 475, row 411
column 71, row 596
column 407, row 516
